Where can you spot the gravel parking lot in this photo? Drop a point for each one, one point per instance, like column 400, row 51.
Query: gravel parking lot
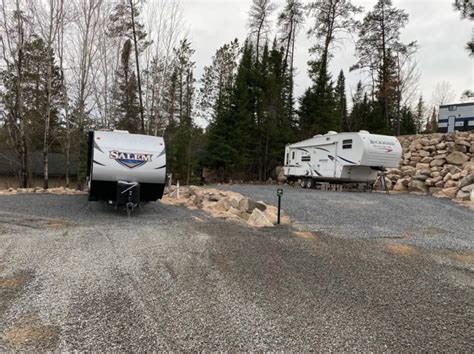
column 415, row 219
column 81, row 276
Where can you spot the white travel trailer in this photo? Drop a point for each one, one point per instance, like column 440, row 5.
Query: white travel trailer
column 125, row 169
column 341, row 158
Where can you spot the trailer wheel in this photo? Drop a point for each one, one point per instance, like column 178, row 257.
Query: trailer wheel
column 303, row 183
column 309, row 183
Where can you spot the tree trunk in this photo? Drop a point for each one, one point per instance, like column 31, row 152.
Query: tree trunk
column 19, row 103
column 142, row 119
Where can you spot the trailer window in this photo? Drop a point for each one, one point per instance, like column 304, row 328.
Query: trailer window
column 347, row 144
column 452, row 108
column 287, row 157
column 305, row 158
column 293, row 155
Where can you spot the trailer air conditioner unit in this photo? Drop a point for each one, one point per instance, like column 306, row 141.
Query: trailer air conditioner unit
column 125, row 169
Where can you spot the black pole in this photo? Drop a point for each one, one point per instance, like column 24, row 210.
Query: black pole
column 279, row 205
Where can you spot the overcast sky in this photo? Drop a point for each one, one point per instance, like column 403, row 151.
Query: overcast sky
column 433, row 23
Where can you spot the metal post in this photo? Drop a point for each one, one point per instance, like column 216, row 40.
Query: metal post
column 279, row 206
column 279, row 194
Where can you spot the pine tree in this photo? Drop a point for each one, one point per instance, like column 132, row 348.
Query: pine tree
column 125, row 94
column 420, row 115
column 124, row 23
column 341, row 103
column 408, row 123
column 379, row 39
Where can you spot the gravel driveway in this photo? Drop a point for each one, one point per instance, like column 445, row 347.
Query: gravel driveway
column 80, row 276
column 420, row 220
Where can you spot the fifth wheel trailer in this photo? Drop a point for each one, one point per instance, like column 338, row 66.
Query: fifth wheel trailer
column 125, row 169
column 341, row 158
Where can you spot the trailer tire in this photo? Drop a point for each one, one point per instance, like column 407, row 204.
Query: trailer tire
column 303, row 183
column 309, row 183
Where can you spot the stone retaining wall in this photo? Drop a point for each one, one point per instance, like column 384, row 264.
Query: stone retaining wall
column 439, row 164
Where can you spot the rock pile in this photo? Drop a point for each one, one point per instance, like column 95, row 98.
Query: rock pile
column 58, row 190
column 226, row 204
column 440, row 164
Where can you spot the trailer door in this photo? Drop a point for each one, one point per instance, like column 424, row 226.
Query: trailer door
column 327, row 160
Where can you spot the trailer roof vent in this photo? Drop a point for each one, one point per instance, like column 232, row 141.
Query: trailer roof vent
column 364, row 132
column 331, row 132
column 121, row 131
column 317, row 136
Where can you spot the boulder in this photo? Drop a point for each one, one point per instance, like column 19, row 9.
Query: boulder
column 259, row 219
column 437, row 162
column 281, row 176
column 457, row 158
column 222, row 205
column 408, row 170
column 463, row 196
column 447, row 177
column 451, row 183
column 450, row 192
column 472, row 196
column 417, row 186
column 456, row 176
column 466, row 181
column 439, row 157
column 439, row 184
column 424, row 153
column 420, row 177
column 435, row 190
column 460, row 148
column 399, row 186
column 441, row 146
column 247, row 205
column 426, row 159
column 469, row 167
column 422, row 166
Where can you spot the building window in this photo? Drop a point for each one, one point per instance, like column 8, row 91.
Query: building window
column 452, row 108
column 305, row 158
column 347, row 144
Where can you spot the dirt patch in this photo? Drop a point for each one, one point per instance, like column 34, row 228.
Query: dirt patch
column 308, row 235
column 401, row 250
column 57, row 224
column 28, row 335
column 11, row 283
column 465, row 257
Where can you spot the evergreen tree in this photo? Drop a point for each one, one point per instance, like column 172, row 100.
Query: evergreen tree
column 379, row 39
column 408, row 124
column 34, row 87
column 124, row 23
column 420, row 115
column 181, row 132
column 341, row 103
column 125, row 94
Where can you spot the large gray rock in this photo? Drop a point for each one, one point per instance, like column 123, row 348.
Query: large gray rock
column 464, row 193
column 247, row 205
column 466, row 181
column 259, row 219
column 417, row 186
column 450, row 192
column 437, row 162
column 421, row 177
column 457, row 158
column 424, row 153
column 400, row 186
column 422, row 166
